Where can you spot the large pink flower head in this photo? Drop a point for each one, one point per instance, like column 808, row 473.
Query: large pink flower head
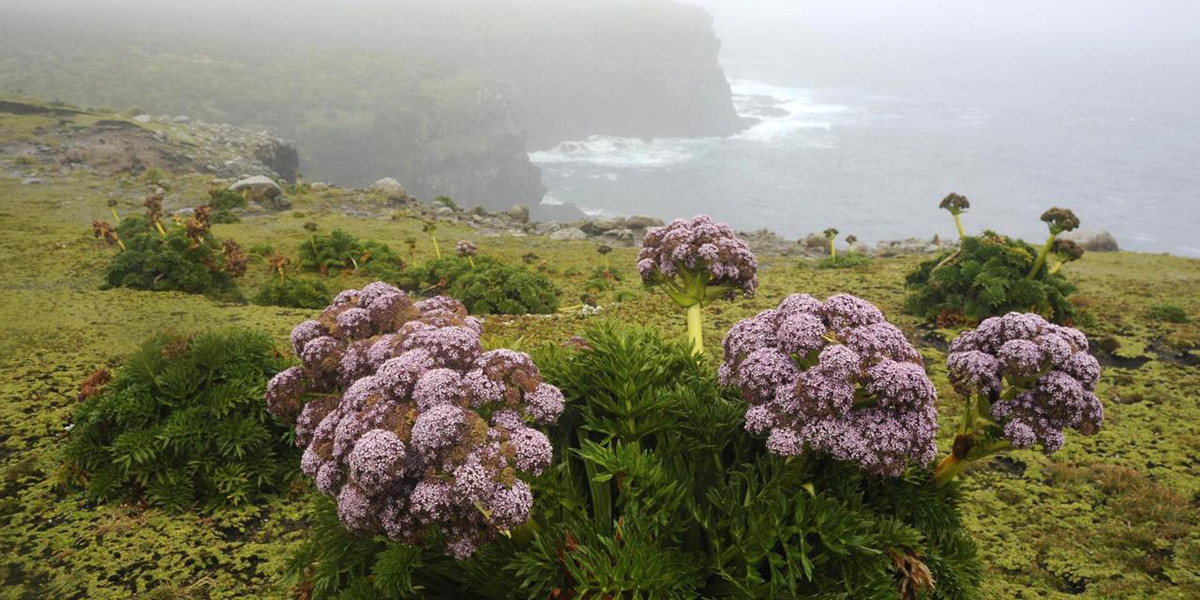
column 687, row 249
column 412, row 426
column 1039, row 376
column 834, row 377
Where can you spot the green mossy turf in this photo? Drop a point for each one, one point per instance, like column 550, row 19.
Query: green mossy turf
column 1116, row 515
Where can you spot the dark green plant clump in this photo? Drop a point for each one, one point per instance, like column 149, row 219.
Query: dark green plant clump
column 340, row 251
column 294, row 292
column 488, row 287
column 223, row 202
column 1169, row 312
column 657, row 491
column 179, row 257
column 848, row 260
column 987, row 276
column 183, row 423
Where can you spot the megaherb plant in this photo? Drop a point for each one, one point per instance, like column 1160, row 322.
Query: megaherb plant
column 485, row 285
column 992, row 274
column 1023, row 381
column 183, row 424
column 183, row 256
column 286, row 289
column 653, row 488
column 339, row 251
column 696, row 261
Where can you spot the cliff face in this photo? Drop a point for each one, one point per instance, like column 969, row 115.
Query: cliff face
column 636, row 68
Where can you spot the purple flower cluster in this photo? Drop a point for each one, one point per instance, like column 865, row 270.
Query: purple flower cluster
column 834, row 377
column 466, row 248
column 1040, row 372
column 411, row 425
column 698, row 246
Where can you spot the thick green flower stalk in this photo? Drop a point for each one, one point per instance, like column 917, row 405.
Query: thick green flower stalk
column 831, row 235
column 1058, row 220
column 430, row 228
column 957, row 204
column 1024, row 381
column 112, row 207
column 696, row 261
column 604, row 250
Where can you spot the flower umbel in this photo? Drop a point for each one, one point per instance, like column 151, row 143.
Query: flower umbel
column 1024, row 381
column 411, row 426
column 696, row 261
column 833, row 377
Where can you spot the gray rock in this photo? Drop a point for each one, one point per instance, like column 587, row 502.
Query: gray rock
column 32, row 181
column 389, row 187
column 623, row 233
column 569, row 234
column 318, row 186
column 1093, row 240
column 182, row 119
column 442, row 210
column 259, row 186
column 518, row 213
column 642, row 222
column 142, row 118
column 599, row 226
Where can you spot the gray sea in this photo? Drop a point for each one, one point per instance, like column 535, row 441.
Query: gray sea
column 876, row 163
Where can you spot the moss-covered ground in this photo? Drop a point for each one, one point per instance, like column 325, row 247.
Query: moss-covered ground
column 1116, row 515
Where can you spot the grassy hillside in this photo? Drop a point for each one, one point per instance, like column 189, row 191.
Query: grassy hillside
column 1114, row 515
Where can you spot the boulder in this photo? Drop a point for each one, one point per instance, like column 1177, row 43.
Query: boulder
column 569, row 234
column 599, row 226
column 1094, row 240
column 642, row 222
column 142, row 118
column 259, row 186
column 389, row 187
column 518, row 213
column 623, row 234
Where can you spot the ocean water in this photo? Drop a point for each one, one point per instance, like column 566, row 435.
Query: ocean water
column 876, row 165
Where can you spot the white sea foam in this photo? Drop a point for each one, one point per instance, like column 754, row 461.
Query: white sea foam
column 615, row 152
column 799, row 110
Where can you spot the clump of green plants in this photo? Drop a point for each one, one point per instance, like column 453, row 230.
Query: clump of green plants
column 340, row 251
column 654, row 490
column 183, row 257
column 696, row 261
column 224, row 201
column 1169, row 313
column 447, row 201
column 501, row 288
column 992, row 274
column 485, row 285
column 285, row 289
column 183, row 424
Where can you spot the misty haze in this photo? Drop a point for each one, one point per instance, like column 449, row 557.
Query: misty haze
column 599, row 299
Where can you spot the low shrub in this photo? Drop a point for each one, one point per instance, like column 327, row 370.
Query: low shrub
column 339, row 251
column 183, row 423
column 847, row 260
column 180, row 257
column 1169, row 313
column 488, row 287
column 223, row 202
column 987, row 276
column 294, row 292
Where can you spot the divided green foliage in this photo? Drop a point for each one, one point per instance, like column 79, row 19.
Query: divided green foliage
column 1171, row 313
column 171, row 262
column 490, row 287
column 183, row 423
column 223, row 201
column 848, row 260
column 656, row 491
column 295, row 292
column 986, row 277
column 340, row 251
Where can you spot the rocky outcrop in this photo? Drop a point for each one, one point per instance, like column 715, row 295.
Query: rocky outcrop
column 1093, row 240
